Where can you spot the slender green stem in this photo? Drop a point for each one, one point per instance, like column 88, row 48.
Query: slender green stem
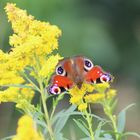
column 43, row 97
column 112, row 117
column 53, row 110
column 113, row 120
column 46, row 111
column 55, row 103
column 89, row 122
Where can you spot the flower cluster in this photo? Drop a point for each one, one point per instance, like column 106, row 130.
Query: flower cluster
column 14, row 94
column 31, row 38
column 77, row 95
column 27, row 129
column 32, row 41
column 49, row 65
column 91, row 94
column 26, row 66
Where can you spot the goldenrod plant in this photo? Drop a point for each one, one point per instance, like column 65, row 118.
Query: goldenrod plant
column 26, row 70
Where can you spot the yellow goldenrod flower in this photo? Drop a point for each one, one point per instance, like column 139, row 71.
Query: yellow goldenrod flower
column 99, row 97
column 3, row 57
column 95, row 93
column 110, row 93
column 9, row 77
column 84, row 89
column 27, row 129
column 77, row 94
column 49, row 65
column 26, row 93
column 94, row 98
column 7, row 74
column 76, row 99
column 14, row 94
column 9, row 95
column 101, row 87
column 25, row 105
column 31, row 37
column 82, row 107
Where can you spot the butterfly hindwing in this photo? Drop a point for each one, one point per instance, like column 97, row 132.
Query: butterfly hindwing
column 97, row 75
column 60, row 84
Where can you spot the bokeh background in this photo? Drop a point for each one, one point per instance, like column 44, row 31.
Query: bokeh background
column 106, row 31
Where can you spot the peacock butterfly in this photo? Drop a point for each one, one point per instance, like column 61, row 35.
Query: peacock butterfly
column 76, row 70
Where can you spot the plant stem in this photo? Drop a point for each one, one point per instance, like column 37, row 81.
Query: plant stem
column 43, row 98
column 55, row 103
column 108, row 112
column 89, row 121
column 113, row 120
column 46, row 110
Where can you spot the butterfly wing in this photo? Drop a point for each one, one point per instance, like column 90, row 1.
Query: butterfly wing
column 60, row 84
column 97, row 75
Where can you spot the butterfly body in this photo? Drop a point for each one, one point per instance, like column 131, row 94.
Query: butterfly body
column 75, row 71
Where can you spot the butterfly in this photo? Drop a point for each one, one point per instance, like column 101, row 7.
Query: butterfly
column 75, row 71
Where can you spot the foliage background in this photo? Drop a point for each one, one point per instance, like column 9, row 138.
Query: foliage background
column 106, row 31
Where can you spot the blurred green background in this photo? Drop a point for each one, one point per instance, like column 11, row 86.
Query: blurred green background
column 107, row 31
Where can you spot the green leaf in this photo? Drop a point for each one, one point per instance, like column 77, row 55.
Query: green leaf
column 131, row 134
column 41, row 123
column 59, row 136
column 57, row 116
column 8, row 138
column 61, row 121
column 92, row 115
column 111, row 132
column 104, row 138
column 60, row 124
column 121, row 121
column 78, row 113
column 122, row 118
column 98, row 129
column 87, row 138
column 101, row 134
column 108, row 136
column 97, row 117
column 82, row 127
column 71, row 109
column 18, row 85
column 83, row 123
column 63, row 113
